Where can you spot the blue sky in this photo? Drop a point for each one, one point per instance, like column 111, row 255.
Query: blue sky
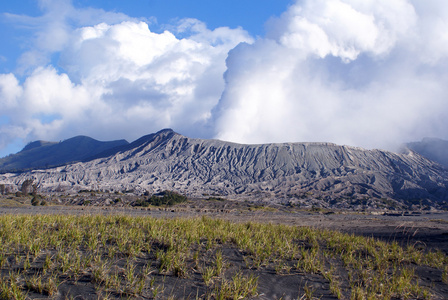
column 158, row 13
column 364, row 73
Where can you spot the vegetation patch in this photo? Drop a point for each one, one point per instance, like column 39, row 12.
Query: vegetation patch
column 215, row 198
column 165, row 198
column 118, row 257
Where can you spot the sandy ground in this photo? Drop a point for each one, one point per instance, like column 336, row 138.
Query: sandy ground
column 427, row 229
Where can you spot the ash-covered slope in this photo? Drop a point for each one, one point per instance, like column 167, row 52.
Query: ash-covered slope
column 290, row 171
column 42, row 154
column 432, row 148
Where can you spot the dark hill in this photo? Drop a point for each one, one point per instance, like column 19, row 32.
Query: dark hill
column 42, row 154
column 37, row 144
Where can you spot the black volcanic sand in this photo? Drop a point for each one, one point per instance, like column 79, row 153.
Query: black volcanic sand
column 426, row 230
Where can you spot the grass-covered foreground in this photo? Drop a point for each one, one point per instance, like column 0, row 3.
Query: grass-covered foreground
column 101, row 257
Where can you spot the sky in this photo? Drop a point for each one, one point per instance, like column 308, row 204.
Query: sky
column 370, row 73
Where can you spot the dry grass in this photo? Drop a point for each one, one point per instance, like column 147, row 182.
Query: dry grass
column 120, row 256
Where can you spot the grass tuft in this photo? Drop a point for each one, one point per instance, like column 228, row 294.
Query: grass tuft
column 121, row 256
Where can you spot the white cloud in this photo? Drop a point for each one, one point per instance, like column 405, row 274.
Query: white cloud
column 343, row 28
column 9, row 91
column 153, row 79
column 117, row 80
column 52, row 30
column 43, row 105
column 365, row 73
column 350, row 72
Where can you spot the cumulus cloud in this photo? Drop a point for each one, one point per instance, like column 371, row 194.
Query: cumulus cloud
column 117, row 80
column 52, row 30
column 365, row 73
column 344, row 28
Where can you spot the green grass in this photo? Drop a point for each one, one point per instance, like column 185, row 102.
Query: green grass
column 123, row 256
column 14, row 201
column 165, row 198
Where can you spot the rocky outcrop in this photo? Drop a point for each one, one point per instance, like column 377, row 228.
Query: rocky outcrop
column 325, row 173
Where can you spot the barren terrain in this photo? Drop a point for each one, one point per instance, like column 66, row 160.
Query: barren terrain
column 320, row 174
column 424, row 232
column 430, row 229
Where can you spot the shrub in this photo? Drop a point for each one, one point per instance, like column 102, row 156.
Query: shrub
column 215, row 199
column 167, row 198
column 141, row 202
column 35, row 201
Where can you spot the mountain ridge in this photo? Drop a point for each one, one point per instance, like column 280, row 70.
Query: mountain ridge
column 37, row 144
column 321, row 173
column 44, row 154
column 432, row 148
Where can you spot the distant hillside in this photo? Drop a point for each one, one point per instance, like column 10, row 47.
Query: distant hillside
column 43, row 154
column 37, row 144
column 321, row 174
column 433, row 149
